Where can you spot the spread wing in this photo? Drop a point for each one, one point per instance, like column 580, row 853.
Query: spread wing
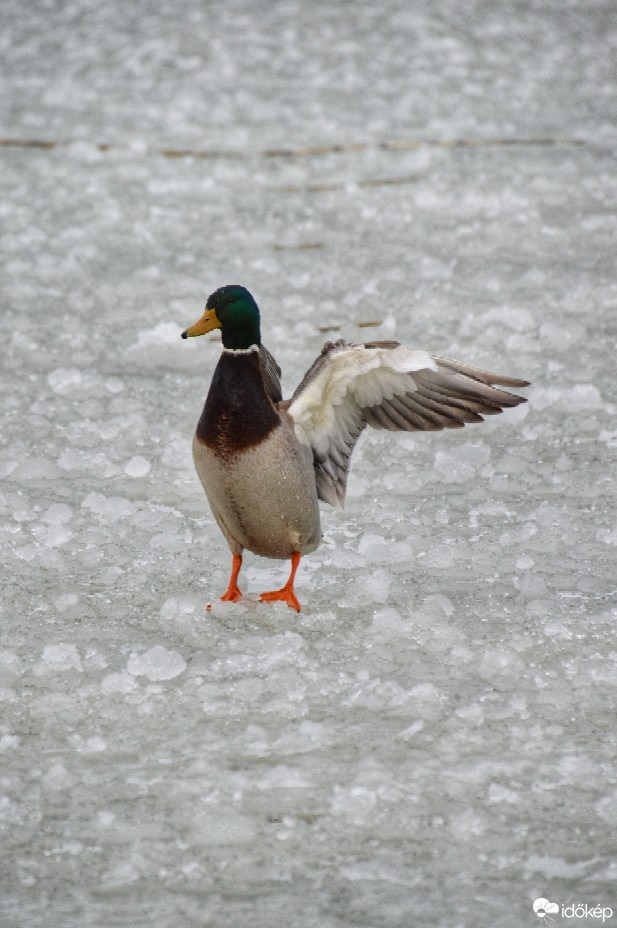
column 386, row 386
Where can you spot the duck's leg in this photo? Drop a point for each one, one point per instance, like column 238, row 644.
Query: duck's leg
column 286, row 593
column 233, row 594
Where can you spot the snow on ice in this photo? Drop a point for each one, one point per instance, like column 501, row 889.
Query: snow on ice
column 432, row 741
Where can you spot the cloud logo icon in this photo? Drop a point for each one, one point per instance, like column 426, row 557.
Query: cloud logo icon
column 545, row 910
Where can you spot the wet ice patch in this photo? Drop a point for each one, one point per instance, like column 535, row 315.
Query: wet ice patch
column 558, row 337
column 607, row 808
column 408, row 733
column 572, row 399
column 92, row 745
column 438, row 605
column 114, row 385
column 65, row 601
column 54, row 531
column 58, row 514
column 124, row 873
column 464, row 462
column 501, row 794
column 64, row 380
column 118, row 683
column 609, row 436
column 499, row 662
column 165, row 333
column 176, row 452
column 57, row 777
column 377, row 549
column 467, row 825
column 584, row 396
column 108, row 509
column 471, row 714
column 137, row 467
column 96, row 463
column 355, row 802
column 607, row 536
column 282, row 776
column 368, row 588
column 222, row 828
column 34, row 469
column 387, row 623
column 540, row 398
column 556, row 868
column 178, row 606
column 10, row 667
column 158, row 663
column 9, row 742
column 514, row 317
column 260, row 654
column 58, row 658
column 427, row 694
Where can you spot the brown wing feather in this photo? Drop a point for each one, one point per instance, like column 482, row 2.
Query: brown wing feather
column 271, row 374
column 449, row 396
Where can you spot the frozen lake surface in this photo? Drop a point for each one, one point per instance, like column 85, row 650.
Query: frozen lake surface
column 432, row 741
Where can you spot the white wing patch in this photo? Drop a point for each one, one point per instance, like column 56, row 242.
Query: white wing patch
column 353, row 379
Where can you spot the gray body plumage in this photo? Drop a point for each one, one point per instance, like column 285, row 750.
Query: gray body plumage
column 265, row 499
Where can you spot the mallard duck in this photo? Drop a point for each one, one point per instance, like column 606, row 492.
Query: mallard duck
column 265, row 462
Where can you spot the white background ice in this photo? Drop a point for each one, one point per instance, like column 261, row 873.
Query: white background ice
column 432, row 742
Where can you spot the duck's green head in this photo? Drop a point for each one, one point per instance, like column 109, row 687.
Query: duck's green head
column 233, row 310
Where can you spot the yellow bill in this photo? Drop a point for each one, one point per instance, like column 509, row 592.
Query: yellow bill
column 207, row 323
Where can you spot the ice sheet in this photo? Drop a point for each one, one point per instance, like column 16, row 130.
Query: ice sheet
column 432, row 741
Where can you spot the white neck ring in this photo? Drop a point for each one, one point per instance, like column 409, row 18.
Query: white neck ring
column 241, row 350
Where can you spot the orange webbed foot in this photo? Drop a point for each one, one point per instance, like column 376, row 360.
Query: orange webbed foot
column 286, row 593
column 232, row 594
